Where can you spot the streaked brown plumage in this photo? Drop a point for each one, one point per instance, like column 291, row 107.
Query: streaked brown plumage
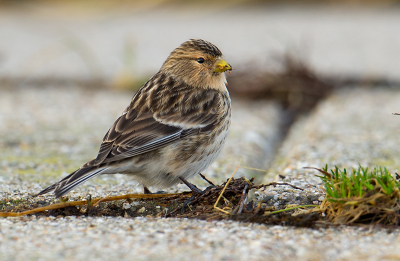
column 174, row 127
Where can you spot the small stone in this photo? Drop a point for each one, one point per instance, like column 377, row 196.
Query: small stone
column 312, row 198
column 267, row 198
column 288, row 170
column 126, row 206
column 142, row 210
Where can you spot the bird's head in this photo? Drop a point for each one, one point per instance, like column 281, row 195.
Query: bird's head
column 199, row 64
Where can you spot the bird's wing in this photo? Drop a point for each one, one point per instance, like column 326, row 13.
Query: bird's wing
column 140, row 130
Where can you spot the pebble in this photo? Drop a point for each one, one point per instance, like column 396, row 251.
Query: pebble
column 126, row 206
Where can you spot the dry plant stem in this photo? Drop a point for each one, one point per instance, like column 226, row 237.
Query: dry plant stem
column 204, row 177
column 223, row 190
column 192, row 201
column 101, row 200
column 275, row 184
column 242, row 199
column 287, row 209
column 258, row 208
column 320, row 170
column 84, row 202
column 261, row 170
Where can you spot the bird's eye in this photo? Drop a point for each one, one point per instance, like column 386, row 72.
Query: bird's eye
column 200, row 60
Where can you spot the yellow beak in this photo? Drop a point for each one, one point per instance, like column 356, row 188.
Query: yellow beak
column 222, row 66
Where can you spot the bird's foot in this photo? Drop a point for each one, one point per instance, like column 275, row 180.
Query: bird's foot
column 195, row 192
column 187, row 202
column 147, row 191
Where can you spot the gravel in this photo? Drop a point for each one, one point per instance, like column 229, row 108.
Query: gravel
column 103, row 238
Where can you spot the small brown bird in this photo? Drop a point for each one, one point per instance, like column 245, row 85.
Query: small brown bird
column 174, row 127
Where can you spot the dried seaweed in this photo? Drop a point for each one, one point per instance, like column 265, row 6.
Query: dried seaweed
column 234, row 196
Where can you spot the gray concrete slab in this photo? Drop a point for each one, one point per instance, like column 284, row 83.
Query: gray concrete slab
column 37, row 145
column 351, row 127
column 110, row 43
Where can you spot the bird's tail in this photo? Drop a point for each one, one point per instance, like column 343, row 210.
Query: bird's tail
column 73, row 180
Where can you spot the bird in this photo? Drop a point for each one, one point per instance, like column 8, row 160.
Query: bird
column 174, row 127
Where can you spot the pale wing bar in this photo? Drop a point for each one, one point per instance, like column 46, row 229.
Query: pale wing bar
column 153, row 145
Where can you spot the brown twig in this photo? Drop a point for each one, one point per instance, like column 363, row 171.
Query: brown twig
column 206, row 193
column 320, row 170
column 204, row 177
column 243, row 198
column 275, row 184
column 84, row 202
column 101, row 200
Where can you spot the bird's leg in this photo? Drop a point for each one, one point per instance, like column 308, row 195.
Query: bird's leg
column 196, row 191
column 146, row 190
column 192, row 187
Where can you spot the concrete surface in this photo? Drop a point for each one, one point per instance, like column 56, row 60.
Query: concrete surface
column 60, row 43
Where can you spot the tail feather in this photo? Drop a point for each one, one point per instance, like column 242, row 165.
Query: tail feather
column 53, row 187
column 75, row 180
column 72, row 180
column 47, row 190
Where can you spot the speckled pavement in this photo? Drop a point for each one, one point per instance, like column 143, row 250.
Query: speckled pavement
column 351, row 127
column 38, row 148
column 105, row 238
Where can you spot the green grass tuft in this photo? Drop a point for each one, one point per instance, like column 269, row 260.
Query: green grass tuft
column 341, row 184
